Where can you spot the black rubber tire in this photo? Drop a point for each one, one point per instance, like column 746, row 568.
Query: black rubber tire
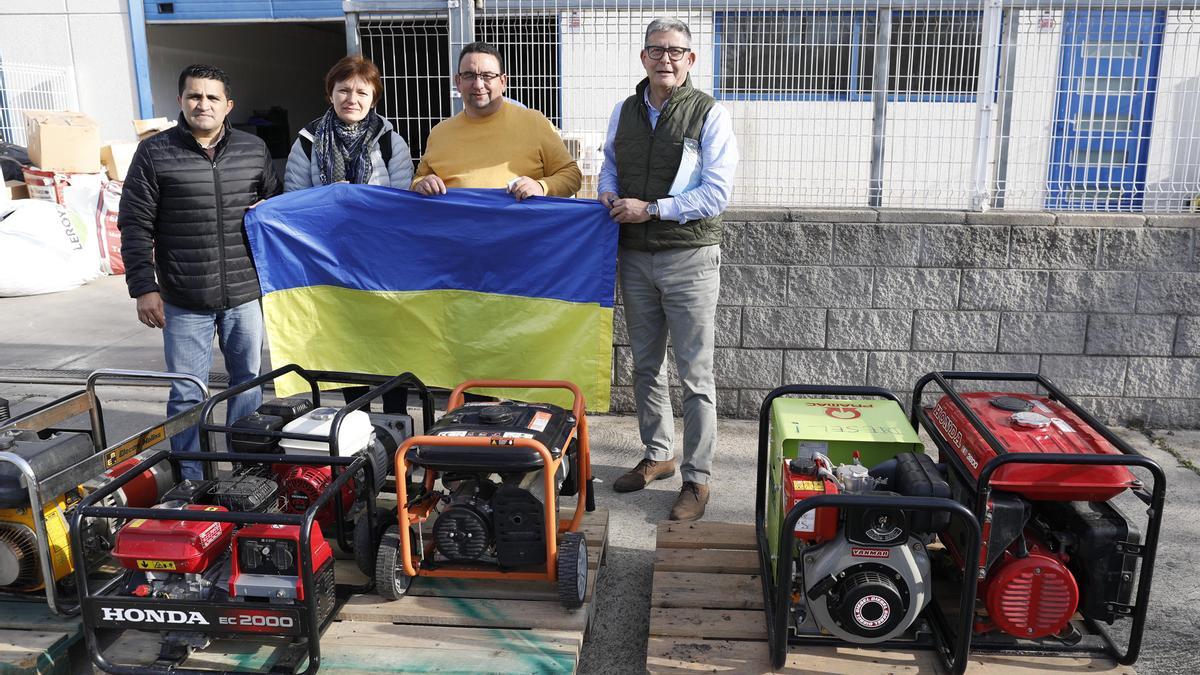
column 390, row 580
column 366, row 540
column 572, row 570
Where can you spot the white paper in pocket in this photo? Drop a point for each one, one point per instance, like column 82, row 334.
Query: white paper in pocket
column 688, row 176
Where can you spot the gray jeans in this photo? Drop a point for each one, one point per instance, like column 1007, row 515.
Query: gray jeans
column 675, row 292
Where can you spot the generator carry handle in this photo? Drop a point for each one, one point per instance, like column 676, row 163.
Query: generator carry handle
column 578, row 409
column 577, row 406
column 943, row 379
column 121, row 375
column 776, row 587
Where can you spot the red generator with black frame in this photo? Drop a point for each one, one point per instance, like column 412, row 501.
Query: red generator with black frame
column 1050, row 487
column 227, row 556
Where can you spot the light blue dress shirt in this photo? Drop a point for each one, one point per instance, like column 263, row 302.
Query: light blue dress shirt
column 718, row 161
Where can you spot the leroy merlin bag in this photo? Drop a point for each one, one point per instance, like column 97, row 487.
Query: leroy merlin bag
column 44, row 248
column 108, row 234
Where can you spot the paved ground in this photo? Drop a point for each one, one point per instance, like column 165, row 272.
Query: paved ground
column 94, row 327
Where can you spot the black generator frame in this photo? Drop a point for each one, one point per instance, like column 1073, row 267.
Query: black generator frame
column 307, row 623
column 951, row 646
column 1129, row 457
column 381, row 385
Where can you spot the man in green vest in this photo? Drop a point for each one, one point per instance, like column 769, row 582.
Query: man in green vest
column 669, row 163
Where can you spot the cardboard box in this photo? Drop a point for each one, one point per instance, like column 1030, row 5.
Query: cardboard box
column 12, row 191
column 63, row 141
column 116, row 158
column 148, row 127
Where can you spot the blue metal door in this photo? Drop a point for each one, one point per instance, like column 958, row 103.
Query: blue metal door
column 1107, row 79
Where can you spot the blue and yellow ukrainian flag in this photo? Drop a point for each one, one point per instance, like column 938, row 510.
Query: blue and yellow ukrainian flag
column 467, row 285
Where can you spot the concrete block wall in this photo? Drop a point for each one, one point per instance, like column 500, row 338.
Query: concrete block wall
column 1107, row 306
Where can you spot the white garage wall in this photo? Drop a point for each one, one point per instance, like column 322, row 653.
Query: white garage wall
column 91, row 38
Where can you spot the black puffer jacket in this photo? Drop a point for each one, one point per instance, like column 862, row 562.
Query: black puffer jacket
column 181, row 217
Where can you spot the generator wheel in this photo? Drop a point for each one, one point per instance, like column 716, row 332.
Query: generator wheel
column 572, row 570
column 366, row 539
column 390, row 579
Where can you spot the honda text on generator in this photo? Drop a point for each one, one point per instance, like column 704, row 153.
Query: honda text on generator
column 244, row 555
column 1046, row 482
column 46, row 470
column 847, row 505
column 487, row 524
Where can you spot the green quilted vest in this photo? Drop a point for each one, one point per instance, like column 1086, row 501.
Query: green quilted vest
column 648, row 159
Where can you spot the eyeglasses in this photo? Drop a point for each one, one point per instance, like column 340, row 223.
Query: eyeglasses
column 656, row 53
column 486, row 77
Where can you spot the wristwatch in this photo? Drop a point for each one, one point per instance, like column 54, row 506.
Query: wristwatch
column 652, row 210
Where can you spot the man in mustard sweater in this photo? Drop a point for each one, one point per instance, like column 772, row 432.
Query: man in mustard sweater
column 493, row 143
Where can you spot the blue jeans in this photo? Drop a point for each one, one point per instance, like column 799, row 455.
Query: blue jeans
column 188, row 344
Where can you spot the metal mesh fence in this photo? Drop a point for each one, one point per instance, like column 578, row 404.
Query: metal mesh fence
column 30, row 87
column 1088, row 105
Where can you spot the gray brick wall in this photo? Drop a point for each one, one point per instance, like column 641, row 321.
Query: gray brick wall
column 1106, row 306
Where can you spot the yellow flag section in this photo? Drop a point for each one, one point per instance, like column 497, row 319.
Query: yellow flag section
column 444, row 337
column 468, row 285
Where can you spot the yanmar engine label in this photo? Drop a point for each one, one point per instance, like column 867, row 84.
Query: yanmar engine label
column 860, row 552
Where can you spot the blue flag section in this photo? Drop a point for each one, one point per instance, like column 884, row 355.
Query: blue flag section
column 468, row 285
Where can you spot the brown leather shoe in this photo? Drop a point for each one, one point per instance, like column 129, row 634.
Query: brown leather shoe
column 640, row 476
column 690, row 503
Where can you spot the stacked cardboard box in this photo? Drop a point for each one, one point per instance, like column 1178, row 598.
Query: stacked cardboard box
column 70, row 167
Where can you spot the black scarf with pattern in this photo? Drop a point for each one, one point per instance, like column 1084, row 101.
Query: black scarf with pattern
column 343, row 151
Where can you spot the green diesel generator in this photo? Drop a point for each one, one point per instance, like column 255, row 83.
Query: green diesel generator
column 876, row 429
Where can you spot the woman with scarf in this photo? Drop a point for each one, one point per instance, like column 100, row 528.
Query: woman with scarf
column 351, row 142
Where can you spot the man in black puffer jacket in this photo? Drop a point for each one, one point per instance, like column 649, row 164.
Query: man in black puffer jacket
column 186, row 256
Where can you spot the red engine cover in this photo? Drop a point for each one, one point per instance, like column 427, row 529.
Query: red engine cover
column 173, row 545
column 265, row 535
column 1031, row 597
column 1049, row 428
column 300, row 485
column 143, row 491
column 819, row 524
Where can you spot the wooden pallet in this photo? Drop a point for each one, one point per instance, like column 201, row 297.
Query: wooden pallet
column 35, row 640
column 441, row 625
column 706, row 615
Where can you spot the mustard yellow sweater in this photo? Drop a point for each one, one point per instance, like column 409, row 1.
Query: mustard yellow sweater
column 488, row 152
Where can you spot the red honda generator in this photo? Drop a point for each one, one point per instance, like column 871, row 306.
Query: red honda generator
column 244, row 554
column 1051, row 488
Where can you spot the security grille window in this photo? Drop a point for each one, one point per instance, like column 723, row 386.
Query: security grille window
column 30, row 87
column 416, row 80
column 530, row 48
column 788, row 54
column 933, row 56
